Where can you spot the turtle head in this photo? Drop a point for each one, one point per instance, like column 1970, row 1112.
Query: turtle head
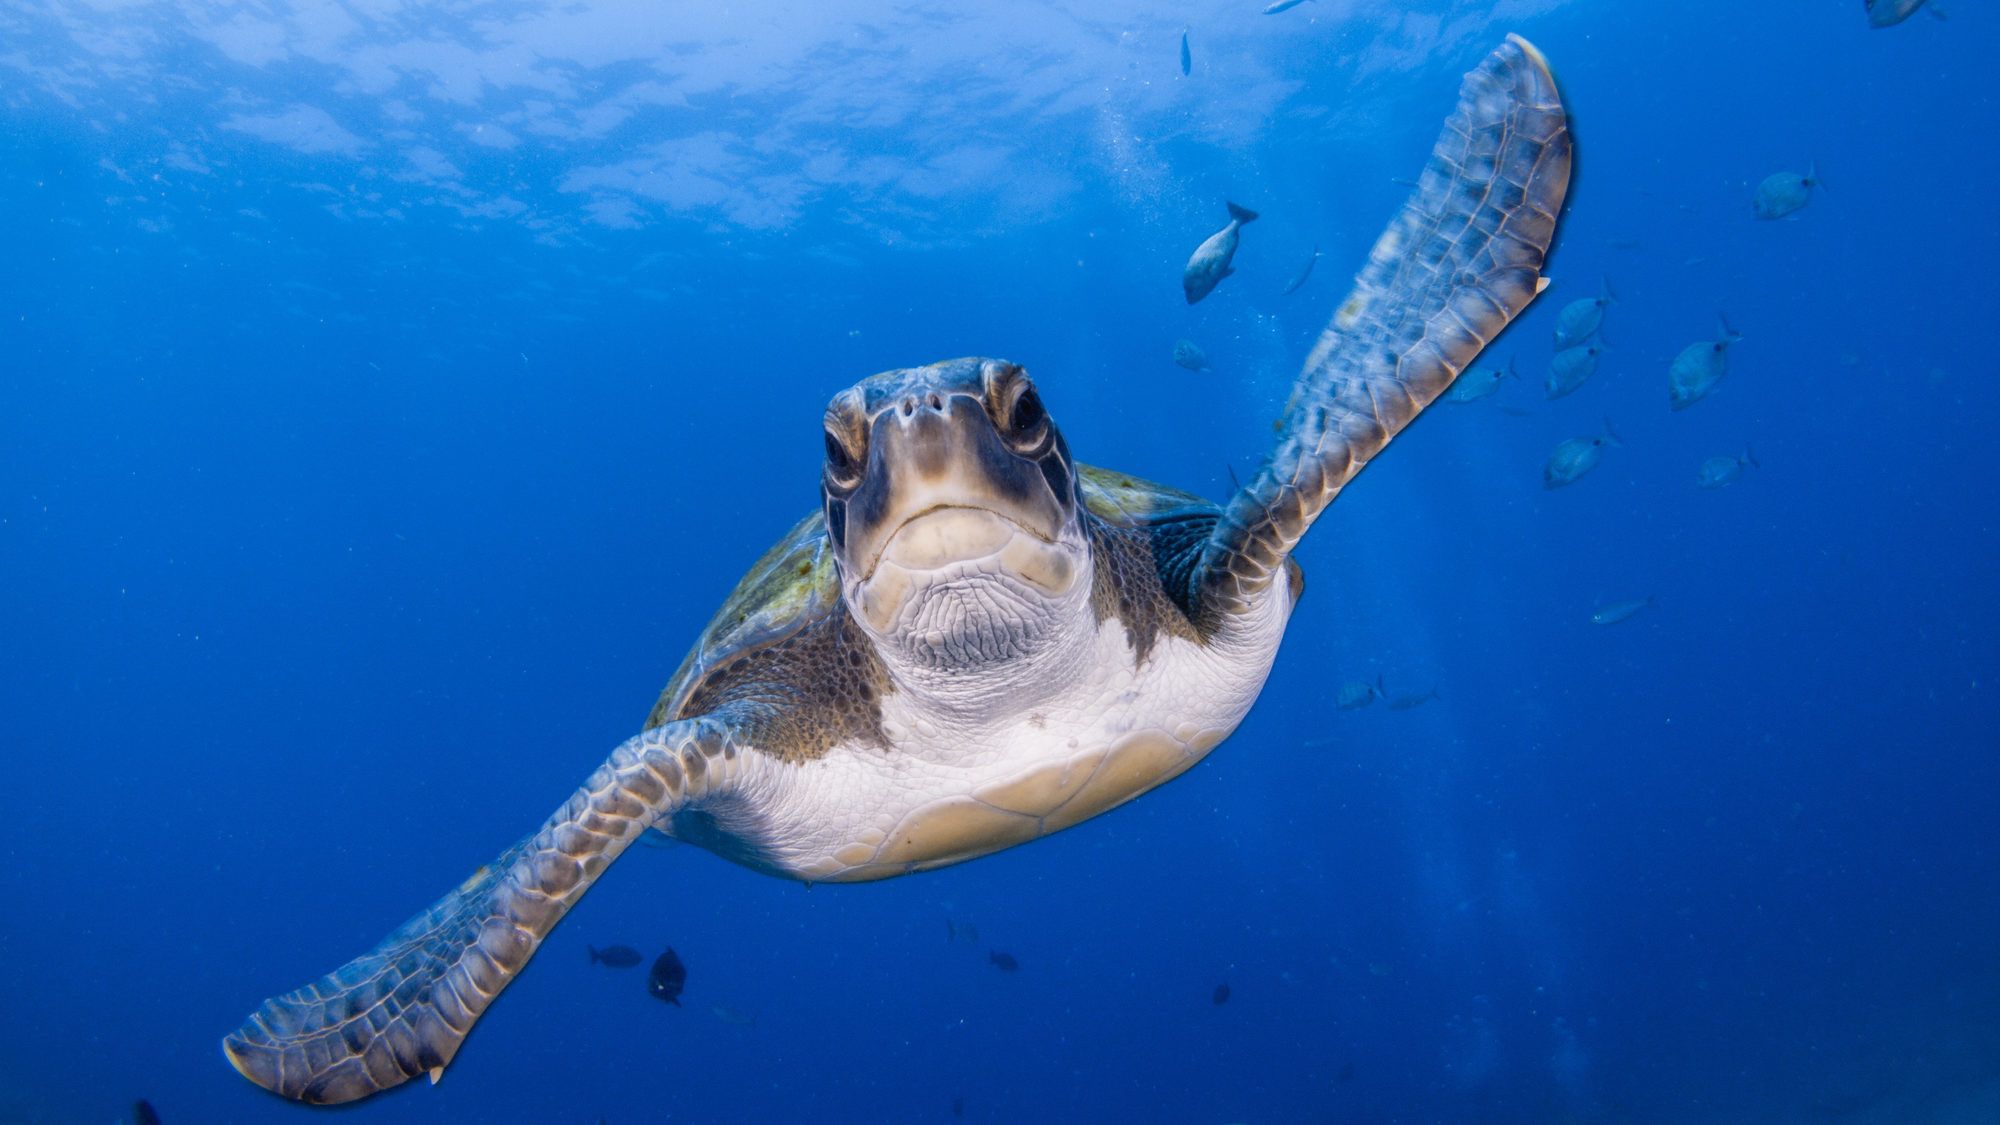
column 951, row 506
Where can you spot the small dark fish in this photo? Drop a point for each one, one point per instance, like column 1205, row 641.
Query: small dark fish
column 143, row 1113
column 1889, row 13
column 615, row 956
column 1719, row 471
column 1784, row 193
column 960, row 931
column 1699, row 367
column 958, row 1106
column 1346, row 1073
column 667, row 978
column 1577, row 456
column 1356, row 694
column 1187, row 59
column 1305, row 272
column 1622, row 611
column 1187, row 354
column 1413, row 700
column 1003, row 961
column 1478, row 382
column 1580, row 318
column 1572, row 367
column 1221, row 994
column 1210, row 261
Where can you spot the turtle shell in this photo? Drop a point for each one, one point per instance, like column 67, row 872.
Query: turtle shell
column 1123, row 500
column 793, row 585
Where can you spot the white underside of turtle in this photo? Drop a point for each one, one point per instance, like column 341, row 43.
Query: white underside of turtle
column 953, row 789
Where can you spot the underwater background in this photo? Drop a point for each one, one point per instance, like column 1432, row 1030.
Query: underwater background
column 389, row 393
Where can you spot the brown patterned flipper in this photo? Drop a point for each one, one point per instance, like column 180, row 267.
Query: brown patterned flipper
column 403, row 1008
column 1460, row 261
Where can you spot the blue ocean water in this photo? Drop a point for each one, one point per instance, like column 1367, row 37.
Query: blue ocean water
column 390, row 392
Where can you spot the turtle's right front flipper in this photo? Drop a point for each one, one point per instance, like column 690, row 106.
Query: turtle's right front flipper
column 1455, row 266
column 403, row 1008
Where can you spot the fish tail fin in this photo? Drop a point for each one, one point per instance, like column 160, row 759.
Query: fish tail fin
column 404, row 1008
column 1381, row 686
column 1813, row 178
column 1511, row 372
column 1729, row 333
column 1241, row 213
column 1604, row 292
column 595, row 956
column 1750, row 456
column 1611, row 435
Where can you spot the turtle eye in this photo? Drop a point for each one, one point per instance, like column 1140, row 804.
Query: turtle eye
column 1026, row 416
column 842, row 468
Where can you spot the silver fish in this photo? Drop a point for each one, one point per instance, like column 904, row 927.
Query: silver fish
column 1187, row 59
column 1277, row 6
column 1356, row 694
column 1889, row 13
column 1719, row 471
column 1187, row 355
column 1210, row 263
column 1580, row 318
column 1293, row 285
column 1572, row 367
column 1576, row 457
column 1782, row 193
column 1621, row 611
column 1699, row 367
column 1478, row 382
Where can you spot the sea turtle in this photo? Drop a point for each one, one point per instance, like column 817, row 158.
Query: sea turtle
column 976, row 640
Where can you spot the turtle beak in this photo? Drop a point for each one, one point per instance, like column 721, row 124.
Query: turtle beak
column 942, row 487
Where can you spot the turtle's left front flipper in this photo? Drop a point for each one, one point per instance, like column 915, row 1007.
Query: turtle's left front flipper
column 1461, row 260
column 403, row 1008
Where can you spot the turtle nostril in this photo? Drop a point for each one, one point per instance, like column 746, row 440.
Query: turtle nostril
column 936, row 402
column 909, row 405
